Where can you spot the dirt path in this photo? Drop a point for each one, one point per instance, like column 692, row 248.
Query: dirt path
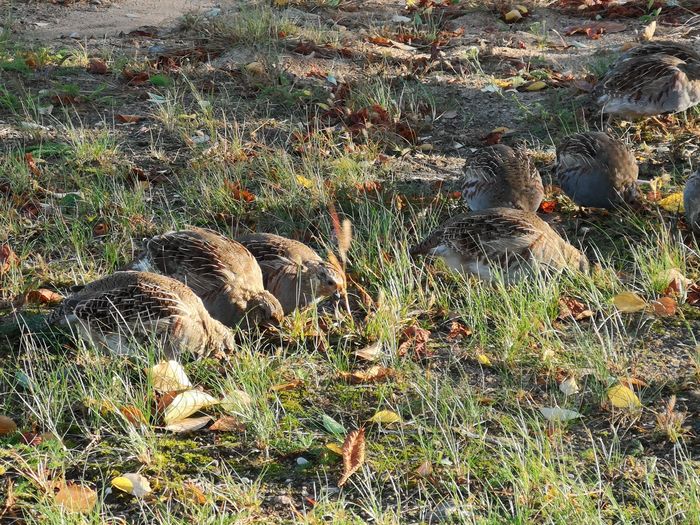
column 44, row 22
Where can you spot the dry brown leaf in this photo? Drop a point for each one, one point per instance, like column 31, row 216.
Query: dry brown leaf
column 649, row 31
column 239, row 193
column 416, row 337
column 128, row 119
column 633, row 381
column 195, row 493
column 7, row 426
column 547, row 206
column 425, row 470
column 227, row 424
column 31, row 164
column 629, row 302
column 458, row 331
column 353, row 454
column 291, row 385
column 8, row 258
column 76, row 498
column 44, row 296
column 664, row 306
column 133, row 415
column 573, row 308
column 373, row 374
column 97, row 66
column 693, row 297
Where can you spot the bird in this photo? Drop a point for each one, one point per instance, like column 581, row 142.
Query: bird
column 221, row 271
column 691, row 201
column 293, row 272
column 596, row 170
column 499, row 175
column 651, row 79
column 500, row 240
column 130, row 307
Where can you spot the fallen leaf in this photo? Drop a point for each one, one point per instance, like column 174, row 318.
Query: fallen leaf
column 371, row 375
column 538, row 85
column 385, row 417
column 7, row 426
column 187, row 403
column 570, row 307
column 305, row 182
column 163, row 400
column 569, row 386
column 380, row 41
column 8, row 258
column 693, row 296
column 128, row 119
column 633, row 381
column 595, row 30
column 458, row 331
column 332, row 426
column 195, row 493
column 512, row 16
column 97, row 66
column 677, row 282
column 76, row 498
column 622, row 396
column 673, row 203
column 629, row 302
column 169, row 376
column 133, row 415
column 237, row 402
column 132, row 483
column 425, row 470
column 664, row 306
column 100, row 229
column 291, row 385
column 547, row 206
column 227, row 424
column 239, row 193
column 353, row 454
column 494, row 137
column 255, row 68
column 416, row 337
column 44, row 296
column 334, row 447
column 190, row 424
column 483, row 359
column 371, row 352
column 559, row 414
column 31, row 164
column 649, row 31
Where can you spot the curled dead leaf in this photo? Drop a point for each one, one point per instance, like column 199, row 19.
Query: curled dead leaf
column 353, row 454
column 44, row 296
column 8, row 258
column 458, row 331
column 664, row 306
column 629, row 302
column 373, row 374
column 128, row 119
column 570, row 308
column 417, row 338
column 76, row 498
column 227, row 424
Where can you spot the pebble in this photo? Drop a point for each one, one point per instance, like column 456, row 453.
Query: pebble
column 74, row 34
column 302, row 461
column 284, row 500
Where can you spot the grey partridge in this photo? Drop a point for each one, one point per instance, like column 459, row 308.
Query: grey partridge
column 500, row 240
column 691, row 201
column 221, row 271
column 596, row 170
column 293, row 272
column 127, row 309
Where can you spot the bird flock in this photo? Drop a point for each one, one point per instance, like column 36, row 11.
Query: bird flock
column 187, row 289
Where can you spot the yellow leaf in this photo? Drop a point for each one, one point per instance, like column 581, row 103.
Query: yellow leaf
column 504, row 84
column 536, row 86
column 305, row 182
column 513, row 16
column 629, row 302
column 132, row 483
column 673, row 203
column 483, row 359
column 386, row 417
column 334, row 447
column 521, row 8
column 186, row 404
column 169, row 376
column 623, row 397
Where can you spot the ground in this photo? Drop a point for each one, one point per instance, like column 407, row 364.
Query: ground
column 120, row 120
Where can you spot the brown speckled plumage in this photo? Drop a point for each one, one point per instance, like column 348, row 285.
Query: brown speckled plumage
column 596, row 170
column 501, row 176
column 691, row 201
column 651, row 79
column 222, row 272
column 504, row 239
column 141, row 307
column 293, row 272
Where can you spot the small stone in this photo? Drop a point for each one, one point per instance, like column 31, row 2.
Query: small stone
column 96, row 2
column 302, row 461
column 74, row 35
column 284, row 500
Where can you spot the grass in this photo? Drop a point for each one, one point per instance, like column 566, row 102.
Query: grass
column 272, row 151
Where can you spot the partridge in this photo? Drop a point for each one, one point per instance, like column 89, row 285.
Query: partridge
column 500, row 240
column 222, row 272
column 691, row 201
column 293, row 272
column 651, row 79
column 128, row 309
column 596, row 170
column 499, row 176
